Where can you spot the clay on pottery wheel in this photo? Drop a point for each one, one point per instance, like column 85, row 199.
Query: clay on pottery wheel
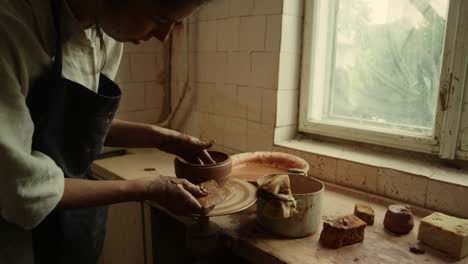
column 250, row 166
column 197, row 173
column 399, row 219
column 365, row 213
column 215, row 196
column 342, row 231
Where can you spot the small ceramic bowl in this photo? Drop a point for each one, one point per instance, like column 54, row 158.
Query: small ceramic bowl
column 196, row 173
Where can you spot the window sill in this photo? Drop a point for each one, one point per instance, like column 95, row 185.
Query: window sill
column 403, row 176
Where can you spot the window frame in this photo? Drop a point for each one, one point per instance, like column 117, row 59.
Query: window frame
column 449, row 102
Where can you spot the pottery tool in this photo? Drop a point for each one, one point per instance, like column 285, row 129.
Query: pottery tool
column 200, row 161
column 207, row 156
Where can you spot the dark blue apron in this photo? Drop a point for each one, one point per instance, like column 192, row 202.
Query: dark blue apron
column 71, row 123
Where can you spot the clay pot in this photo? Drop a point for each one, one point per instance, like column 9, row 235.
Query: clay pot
column 308, row 193
column 196, row 173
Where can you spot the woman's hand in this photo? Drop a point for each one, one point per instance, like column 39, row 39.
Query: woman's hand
column 183, row 145
column 177, row 195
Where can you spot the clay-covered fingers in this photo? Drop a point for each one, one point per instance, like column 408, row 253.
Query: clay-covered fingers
column 181, row 201
column 195, row 190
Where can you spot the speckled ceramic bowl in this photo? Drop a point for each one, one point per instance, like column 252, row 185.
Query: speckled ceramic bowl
column 196, row 173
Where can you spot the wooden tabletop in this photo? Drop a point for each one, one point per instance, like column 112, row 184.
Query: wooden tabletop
column 243, row 236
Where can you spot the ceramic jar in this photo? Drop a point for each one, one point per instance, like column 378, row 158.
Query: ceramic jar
column 308, row 193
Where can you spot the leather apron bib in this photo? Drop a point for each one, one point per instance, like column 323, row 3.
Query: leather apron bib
column 71, row 123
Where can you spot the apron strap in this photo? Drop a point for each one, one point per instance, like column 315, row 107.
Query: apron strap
column 57, row 67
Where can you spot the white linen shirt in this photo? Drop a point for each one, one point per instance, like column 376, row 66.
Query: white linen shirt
column 31, row 184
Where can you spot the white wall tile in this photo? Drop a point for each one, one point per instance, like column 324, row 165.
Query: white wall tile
column 180, row 66
column 250, row 101
column 448, row 198
column 402, row 186
column 149, row 116
column 205, row 97
column 357, row 175
column 155, row 46
column 204, row 35
column 228, row 34
column 265, row 67
column 133, row 97
column 288, row 104
column 259, row 137
column 285, row 133
column 235, row 133
column 239, row 68
column 291, row 39
column 155, row 95
column 124, row 74
column 268, row 7
column 214, row 10
column 127, row 116
column 191, row 124
column 322, row 167
column 218, row 67
column 293, row 7
column 273, row 33
column 240, row 7
column 132, row 48
column 252, row 33
column 212, row 128
column 179, row 38
column 289, row 73
column 225, row 101
column 145, row 67
column 269, row 106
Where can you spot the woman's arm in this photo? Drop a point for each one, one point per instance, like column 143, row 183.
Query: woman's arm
column 137, row 135
column 177, row 195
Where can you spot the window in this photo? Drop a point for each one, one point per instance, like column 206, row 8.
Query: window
column 382, row 72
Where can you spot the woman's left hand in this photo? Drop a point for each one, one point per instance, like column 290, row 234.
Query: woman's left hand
column 183, row 145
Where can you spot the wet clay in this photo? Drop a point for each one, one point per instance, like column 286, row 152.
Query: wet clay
column 251, row 172
column 250, row 166
column 342, row 231
column 399, row 219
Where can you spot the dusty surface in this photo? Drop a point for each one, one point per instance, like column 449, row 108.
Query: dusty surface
column 242, row 234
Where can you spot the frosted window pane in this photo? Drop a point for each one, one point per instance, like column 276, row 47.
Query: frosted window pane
column 387, row 60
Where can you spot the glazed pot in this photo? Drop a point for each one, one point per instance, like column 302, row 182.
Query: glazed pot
column 308, row 193
column 197, row 173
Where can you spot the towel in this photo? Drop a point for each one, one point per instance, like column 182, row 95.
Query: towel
column 277, row 194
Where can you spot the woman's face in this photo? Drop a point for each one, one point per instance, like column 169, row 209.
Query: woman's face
column 140, row 20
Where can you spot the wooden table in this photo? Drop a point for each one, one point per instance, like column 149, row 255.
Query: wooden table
column 242, row 235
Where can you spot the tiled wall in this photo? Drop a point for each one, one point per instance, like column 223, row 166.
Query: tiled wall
column 144, row 79
column 244, row 62
column 234, row 61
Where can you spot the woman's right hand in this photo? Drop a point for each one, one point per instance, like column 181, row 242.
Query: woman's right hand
column 177, row 195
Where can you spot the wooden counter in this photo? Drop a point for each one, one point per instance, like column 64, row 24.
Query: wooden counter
column 242, row 235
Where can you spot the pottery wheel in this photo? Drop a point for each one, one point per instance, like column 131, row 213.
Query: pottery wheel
column 240, row 195
column 250, row 166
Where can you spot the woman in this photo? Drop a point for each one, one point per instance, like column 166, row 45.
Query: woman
column 57, row 109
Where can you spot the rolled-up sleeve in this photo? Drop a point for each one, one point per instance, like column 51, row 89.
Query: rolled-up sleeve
column 31, row 184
